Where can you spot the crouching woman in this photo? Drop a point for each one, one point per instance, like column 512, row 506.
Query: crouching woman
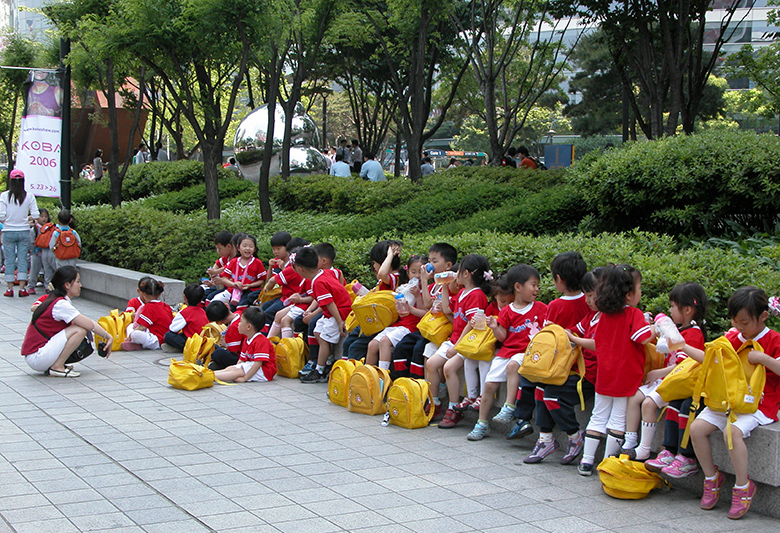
column 57, row 329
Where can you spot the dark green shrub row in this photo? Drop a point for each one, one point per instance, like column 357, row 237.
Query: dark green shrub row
column 180, row 246
column 194, row 197
column 685, row 184
column 145, row 180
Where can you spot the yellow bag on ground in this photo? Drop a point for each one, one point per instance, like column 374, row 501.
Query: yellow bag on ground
column 338, row 380
column 368, row 388
column 478, row 344
column 728, row 383
column 627, row 480
column 198, row 350
column 189, row 376
column 115, row 325
column 215, row 332
column 550, row 356
column 410, row 403
column 679, row 383
column 290, row 356
column 375, row 311
column 435, row 328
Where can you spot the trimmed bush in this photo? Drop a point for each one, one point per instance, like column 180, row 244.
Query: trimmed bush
column 194, row 197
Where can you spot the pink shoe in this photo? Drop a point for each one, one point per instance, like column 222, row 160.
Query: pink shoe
column 463, row 405
column 741, row 500
column 128, row 346
column 712, row 491
column 681, row 467
column 665, row 458
column 31, row 290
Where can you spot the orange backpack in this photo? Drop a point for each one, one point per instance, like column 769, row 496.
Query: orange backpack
column 43, row 238
column 67, row 245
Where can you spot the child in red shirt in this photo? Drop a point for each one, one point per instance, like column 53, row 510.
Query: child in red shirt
column 244, row 274
column 620, row 337
column 151, row 320
column 226, row 354
column 257, row 360
column 188, row 321
column 134, row 304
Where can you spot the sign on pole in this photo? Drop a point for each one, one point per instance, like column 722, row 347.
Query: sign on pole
column 39, row 153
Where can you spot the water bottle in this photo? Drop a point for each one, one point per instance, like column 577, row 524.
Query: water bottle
column 359, row 289
column 436, row 306
column 414, row 282
column 400, row 304
column 443, row 278
column 666, row 328
column 480, row 320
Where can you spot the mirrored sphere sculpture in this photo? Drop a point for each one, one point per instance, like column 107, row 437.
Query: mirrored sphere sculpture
column 252, row 133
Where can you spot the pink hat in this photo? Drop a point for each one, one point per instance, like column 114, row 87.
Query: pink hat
column 17, row 174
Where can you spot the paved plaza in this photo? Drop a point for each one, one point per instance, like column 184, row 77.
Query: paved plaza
column 118, row 449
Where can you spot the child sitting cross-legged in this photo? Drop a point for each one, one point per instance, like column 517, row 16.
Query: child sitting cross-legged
column 513, row 328
column 151, row 321
column 257, row 360
column 188, row 321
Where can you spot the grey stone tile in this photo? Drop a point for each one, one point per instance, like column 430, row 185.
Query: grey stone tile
column 437, row 525
column 360, row 519
column 103, row 521
column 220, row 522
column 307, row 525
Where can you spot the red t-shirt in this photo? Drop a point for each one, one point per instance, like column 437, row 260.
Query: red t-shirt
column 337, row 273
column 466, row 304
column 587, row 330
column 133, row 305
column 326, row 289
column 620, row 352
column 394, row 281
column 156, row 316
column 693, row 337
column 259, row 348
column 290, row 282
column 492, row 309
column 234, row 339
column 222, row 261
column 770, row 343
column 246, row 274
column 519, row 323
column 567, row 311
column 196, row 318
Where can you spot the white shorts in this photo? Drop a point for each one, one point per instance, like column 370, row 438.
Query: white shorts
column 47, row 354
column 441, row 351
column 328, row 329
column 223, row 297
column 649, row 392
column 146, row 339
column 246, row 366
column 295, row 312
column 395, row 334
column 608, row 413
column 430, row 350
column 518, row 358
column 497, row 372
column 746, row 423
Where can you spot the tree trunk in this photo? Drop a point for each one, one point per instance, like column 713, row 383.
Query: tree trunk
column 212, row 156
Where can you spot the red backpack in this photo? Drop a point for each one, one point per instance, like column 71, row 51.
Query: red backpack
column 67, row 245
column 43, row 238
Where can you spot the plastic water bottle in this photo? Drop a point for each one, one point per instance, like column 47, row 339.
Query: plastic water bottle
column 444, row 277
column 480, row 320
column 359, row 289
column 668, row 330
column 436, row 306
column 400, row 304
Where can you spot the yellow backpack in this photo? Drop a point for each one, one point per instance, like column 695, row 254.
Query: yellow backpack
column 627, row 480
column 410, row 403
column 550, row 356
column 679, row 383
column 338, row 380
column 115, row 325
column 478, row 344
column 435, row 328
column 368, row 388
column 267, row 296
column 198, row 349
column 728, row 383
column 215, row 332
column 375, row 311
column 290, row 356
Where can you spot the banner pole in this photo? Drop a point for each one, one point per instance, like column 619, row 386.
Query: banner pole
column 65, row 161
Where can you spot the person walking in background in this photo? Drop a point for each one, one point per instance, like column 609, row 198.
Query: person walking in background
column 97, row 165
column 162, row 155
column 18, row 209
column 142, row 156
column 357, row 157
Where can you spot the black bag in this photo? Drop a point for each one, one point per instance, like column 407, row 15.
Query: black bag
column 82, row 351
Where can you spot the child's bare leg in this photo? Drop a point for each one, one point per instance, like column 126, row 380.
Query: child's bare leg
column 700, row 433
column 372, row 354
column 385, row 353
column 229, row 374
column 633, row 417
column 738, row 455
column 322, row 357
column 512, row 384
column 433, row 369
column 451, row 368
column 488, row 394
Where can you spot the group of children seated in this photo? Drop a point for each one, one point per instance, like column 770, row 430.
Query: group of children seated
column 597, row 308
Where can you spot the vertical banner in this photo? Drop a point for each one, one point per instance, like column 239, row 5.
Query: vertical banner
column 39, row 153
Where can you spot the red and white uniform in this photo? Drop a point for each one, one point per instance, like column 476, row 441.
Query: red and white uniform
column 336, row 272
column 189, row 321
column 326, row 289
column 222, row 261
column 259, row 348
column 567, row 311
column 587, row 330
column 234, row 339
column 518, row 324
column 693, row 337
column 133, row 305
column 246, row 274
column 56, row 317
column 395, row 278
column 620, row 352
column 156, row 316
column 466, row 304
column 289, row 280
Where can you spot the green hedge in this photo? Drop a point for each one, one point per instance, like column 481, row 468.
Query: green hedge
column 685, row 184
column 194, row 197
column 180, row 246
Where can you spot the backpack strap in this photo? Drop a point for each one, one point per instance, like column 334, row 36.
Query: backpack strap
column 581, row 373
column 697, row 390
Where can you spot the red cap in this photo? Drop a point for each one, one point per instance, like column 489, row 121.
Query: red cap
column 17, row 174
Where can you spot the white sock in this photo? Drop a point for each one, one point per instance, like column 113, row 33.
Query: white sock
column 614, row 443
column 384, row 364
column 436, row 400
column 287, row 333
column 545, row 437
column 632, row 437
column 451, row 405
column 713, row 478
column 320, row 368
column 742, row 487
column 648, row 432
column 589, row 449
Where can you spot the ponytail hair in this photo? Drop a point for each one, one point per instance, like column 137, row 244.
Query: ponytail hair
column 151, row 286
column 64, row 274
column 479, row 268
column 617, row 282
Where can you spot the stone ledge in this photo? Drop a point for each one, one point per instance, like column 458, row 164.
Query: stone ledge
column 114, row 286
